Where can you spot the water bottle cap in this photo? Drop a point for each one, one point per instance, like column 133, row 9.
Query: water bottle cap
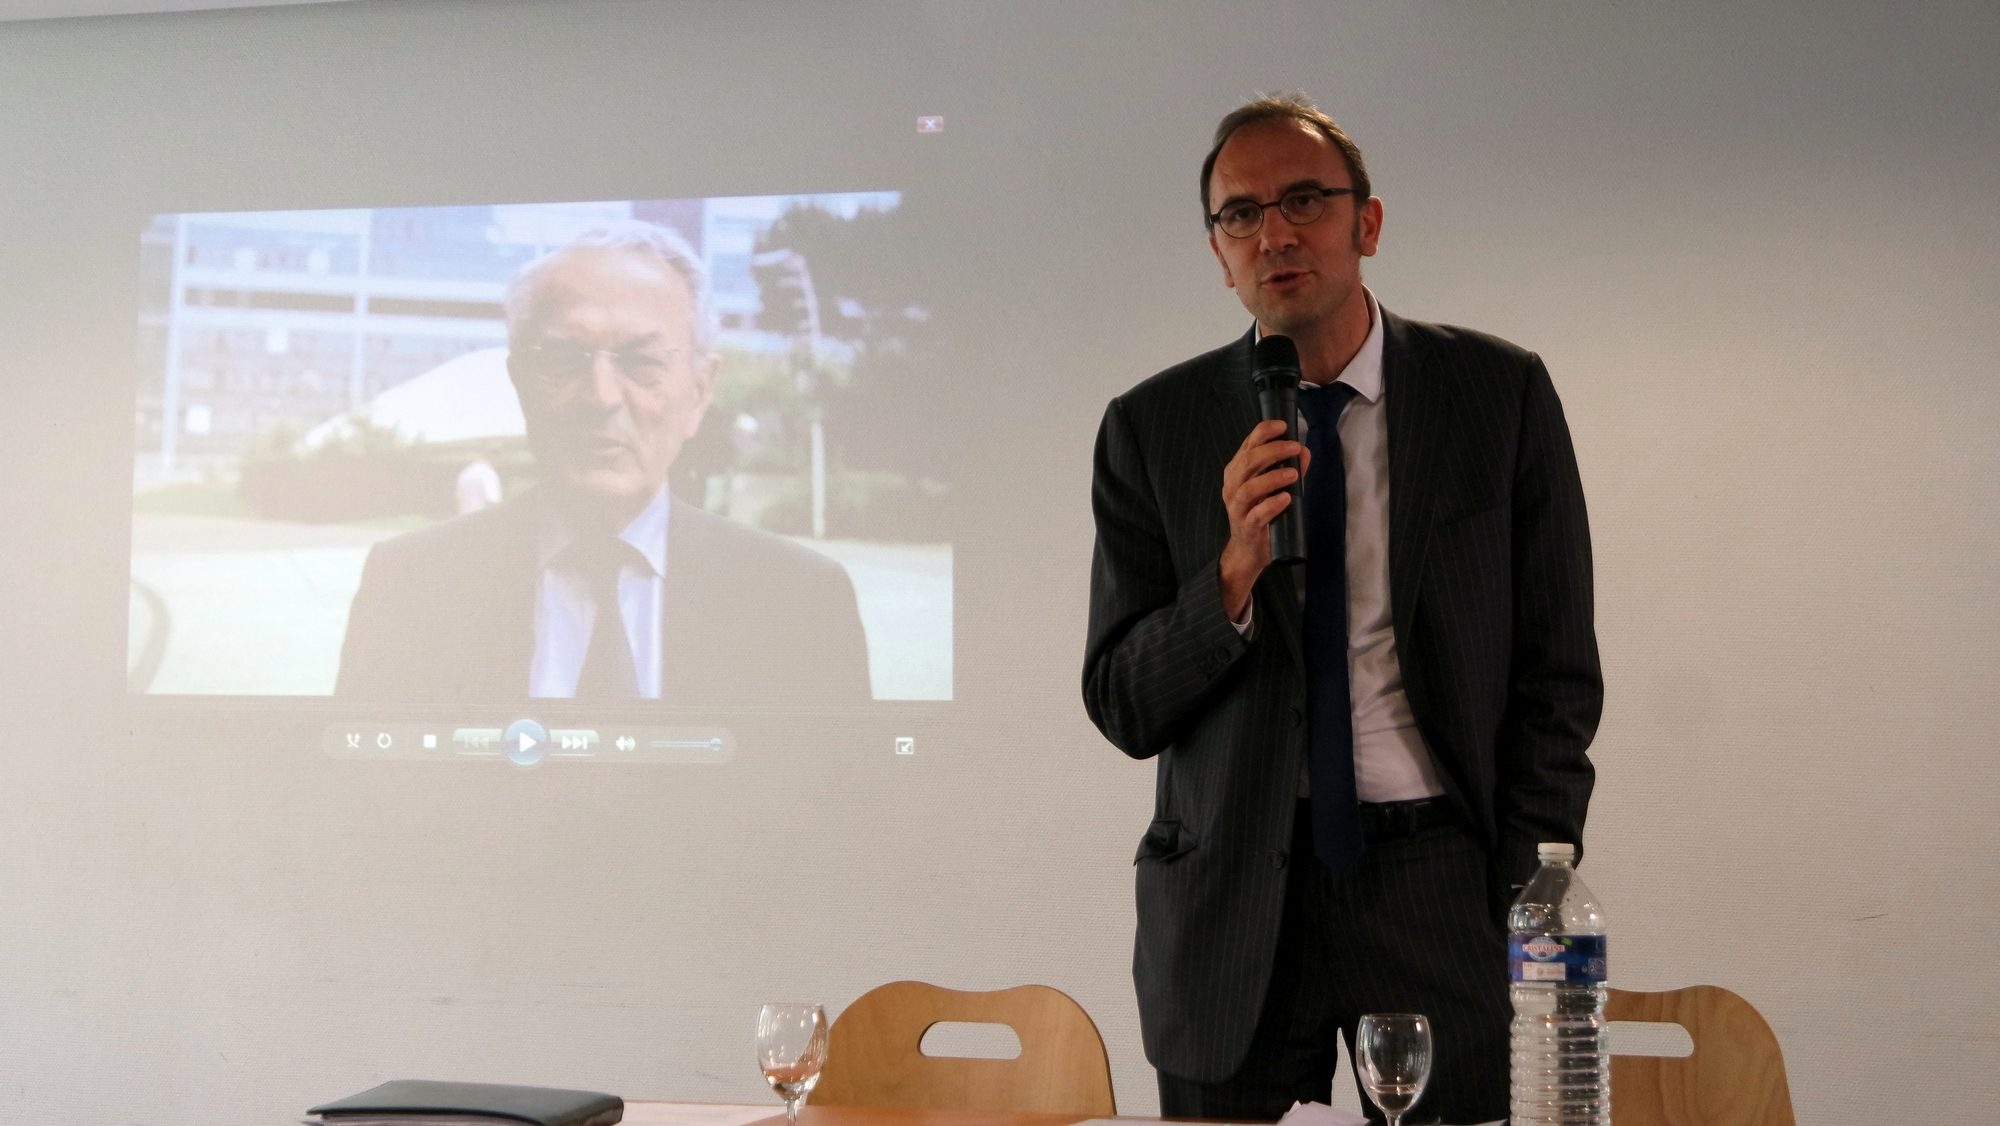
column 1555, row 850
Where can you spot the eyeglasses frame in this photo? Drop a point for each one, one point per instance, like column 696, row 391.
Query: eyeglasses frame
column 1215, row 220
column 534, row 357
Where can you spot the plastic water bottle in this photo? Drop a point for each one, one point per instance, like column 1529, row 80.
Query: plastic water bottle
column 1555, row 955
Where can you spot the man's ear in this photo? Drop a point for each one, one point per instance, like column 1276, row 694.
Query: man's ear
column 1216, row 248
column 702, row 372
column 518, row 376
column 1368, row 226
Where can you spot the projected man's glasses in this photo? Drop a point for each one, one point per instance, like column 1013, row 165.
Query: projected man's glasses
column 560, row 364
column 1241, row 218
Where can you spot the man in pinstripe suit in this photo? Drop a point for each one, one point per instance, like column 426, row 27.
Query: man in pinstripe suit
column 1472, row 678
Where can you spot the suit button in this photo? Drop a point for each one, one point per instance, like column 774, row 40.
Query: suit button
column 1277, row 858
column 1298, row 716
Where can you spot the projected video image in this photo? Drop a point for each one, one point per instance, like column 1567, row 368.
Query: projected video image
column 418, row 455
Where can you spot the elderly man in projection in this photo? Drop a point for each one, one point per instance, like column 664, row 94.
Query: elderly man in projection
column 598, row 584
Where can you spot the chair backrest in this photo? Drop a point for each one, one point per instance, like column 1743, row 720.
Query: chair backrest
column 875, row 1056
column 1735, row 1076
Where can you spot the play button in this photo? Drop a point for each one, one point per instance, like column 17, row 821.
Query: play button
column 525, row 742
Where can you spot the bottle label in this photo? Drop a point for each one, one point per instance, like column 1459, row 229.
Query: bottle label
column 1574, row 959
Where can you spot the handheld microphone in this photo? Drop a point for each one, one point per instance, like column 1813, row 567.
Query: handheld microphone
column 1277, row 381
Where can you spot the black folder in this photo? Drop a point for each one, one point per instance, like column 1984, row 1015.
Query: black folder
column 421, row 1101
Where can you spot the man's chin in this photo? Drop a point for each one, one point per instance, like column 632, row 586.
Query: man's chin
column 1292, row 318
column 610, row 488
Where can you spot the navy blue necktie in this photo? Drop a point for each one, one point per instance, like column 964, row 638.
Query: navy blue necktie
column 1336, row 820
column 607, row 672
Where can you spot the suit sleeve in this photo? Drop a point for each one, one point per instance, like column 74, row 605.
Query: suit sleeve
column 1556, row 694
column 1160, row 642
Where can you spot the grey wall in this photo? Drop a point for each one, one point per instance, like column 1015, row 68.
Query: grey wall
column 1756, row 246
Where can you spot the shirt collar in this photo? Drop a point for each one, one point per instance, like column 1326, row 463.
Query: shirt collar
column 1364, row 371
column 646, row 533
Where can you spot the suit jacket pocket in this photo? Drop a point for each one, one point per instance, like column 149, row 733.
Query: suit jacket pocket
column 1165, row 840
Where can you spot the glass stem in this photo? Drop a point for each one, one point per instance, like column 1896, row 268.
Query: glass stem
column 792, row 1112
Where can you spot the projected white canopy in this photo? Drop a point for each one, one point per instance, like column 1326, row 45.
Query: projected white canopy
column 465, row 398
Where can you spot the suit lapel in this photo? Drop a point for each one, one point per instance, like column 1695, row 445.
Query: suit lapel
column 505, row 623
column 698, row 639
column 1277, row 593
column 1235, row 400
column 1416, row 417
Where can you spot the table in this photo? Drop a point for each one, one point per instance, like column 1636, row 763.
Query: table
column 700, row 1114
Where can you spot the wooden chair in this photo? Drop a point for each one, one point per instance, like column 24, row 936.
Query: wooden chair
column 1735, row 1076
column 875, row 1056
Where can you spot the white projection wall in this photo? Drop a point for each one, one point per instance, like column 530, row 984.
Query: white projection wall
column 1756, row 247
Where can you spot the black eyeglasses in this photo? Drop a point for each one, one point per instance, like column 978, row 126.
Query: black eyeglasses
column 1241, row 218
column 559, row 364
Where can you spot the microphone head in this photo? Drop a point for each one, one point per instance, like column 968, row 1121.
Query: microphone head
column 1277, row 359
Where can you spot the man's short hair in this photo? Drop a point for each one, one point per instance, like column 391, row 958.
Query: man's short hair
column 640, row 237
column 1289, row 106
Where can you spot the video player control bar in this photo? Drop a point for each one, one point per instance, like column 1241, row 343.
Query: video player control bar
column 525, row 742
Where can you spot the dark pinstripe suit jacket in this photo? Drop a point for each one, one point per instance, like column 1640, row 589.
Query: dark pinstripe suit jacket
column 1490, row 595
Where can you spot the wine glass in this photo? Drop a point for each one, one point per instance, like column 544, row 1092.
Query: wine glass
column 791, row 1048
column 1392, row 1054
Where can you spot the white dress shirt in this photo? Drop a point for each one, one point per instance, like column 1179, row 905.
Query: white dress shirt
column 1391, row 761
column 565, row 613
